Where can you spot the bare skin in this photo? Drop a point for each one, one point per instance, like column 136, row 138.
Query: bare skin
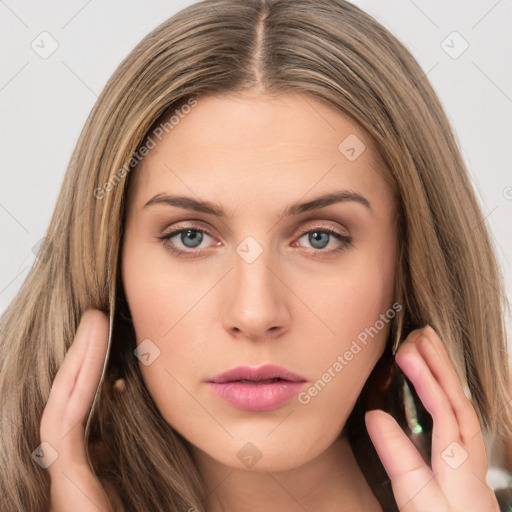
column 62, row 423
column 296, row 305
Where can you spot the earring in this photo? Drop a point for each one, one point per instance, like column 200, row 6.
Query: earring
column 119, row 386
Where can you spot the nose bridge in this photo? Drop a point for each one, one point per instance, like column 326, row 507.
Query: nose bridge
column 252, row 280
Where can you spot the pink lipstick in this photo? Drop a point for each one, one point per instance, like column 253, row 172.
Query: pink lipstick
column 263, row 388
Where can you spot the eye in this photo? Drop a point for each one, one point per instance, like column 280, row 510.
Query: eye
column 188, row 239
column 323, row 240
column 192, row 241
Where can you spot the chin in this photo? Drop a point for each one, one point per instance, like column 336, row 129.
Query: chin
column 261, row 453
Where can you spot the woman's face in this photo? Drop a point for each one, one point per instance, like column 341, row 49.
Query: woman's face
column 286, row 256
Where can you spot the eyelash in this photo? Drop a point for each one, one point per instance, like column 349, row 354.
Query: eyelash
column 345, row 241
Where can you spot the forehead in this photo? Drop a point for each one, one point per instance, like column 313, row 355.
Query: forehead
column 251, row 144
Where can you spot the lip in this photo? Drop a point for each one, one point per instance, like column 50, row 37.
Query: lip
column 247, row 388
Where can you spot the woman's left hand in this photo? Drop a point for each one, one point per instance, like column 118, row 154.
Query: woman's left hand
column 456, row 481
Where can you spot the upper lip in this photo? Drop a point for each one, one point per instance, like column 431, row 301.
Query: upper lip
column 265, row 372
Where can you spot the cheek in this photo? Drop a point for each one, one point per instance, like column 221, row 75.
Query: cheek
column 166, row 308
column 168, row 311
column 357, row 306
column 158, row 293
column 350, row 298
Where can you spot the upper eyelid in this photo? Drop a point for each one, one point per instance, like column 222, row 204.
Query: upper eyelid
column 198, row 225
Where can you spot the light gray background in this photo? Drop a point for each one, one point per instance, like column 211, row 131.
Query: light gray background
column 44, row 102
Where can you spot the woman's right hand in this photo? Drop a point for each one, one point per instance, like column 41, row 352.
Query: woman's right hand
column 73, row 483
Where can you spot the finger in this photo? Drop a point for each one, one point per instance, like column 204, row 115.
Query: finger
column 74, row 388
column 460, row 468
column 91, row 322
column 89, row 374
column 445, row 427
column 436, row 357
column 471, row 436
column 412, row 481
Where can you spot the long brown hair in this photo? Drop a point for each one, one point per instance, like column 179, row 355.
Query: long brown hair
column 447, row 273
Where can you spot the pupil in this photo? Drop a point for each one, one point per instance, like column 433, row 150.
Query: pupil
column 194, row 236
column 318, row 239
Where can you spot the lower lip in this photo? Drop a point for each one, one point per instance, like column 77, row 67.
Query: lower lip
column 257, row 397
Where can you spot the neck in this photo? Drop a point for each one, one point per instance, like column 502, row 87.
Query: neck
column 331, row 482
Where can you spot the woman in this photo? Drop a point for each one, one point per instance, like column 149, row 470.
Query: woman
column 268, row 214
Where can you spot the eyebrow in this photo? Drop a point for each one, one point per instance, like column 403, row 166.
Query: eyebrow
column 189, row 203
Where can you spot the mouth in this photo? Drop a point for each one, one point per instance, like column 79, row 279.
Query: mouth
column 264, row 374
column 267, row 381
column 265, row 388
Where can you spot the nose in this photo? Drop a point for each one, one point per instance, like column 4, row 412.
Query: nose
column 256, row 305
